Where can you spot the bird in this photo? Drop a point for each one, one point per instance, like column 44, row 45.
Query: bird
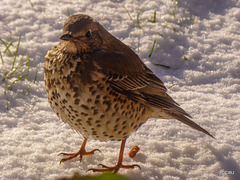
column 100, row 87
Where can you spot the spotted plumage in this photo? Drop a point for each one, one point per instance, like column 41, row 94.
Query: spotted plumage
column 101, row 88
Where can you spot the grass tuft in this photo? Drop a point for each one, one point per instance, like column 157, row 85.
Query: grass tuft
column 19, row 68
column 138, row 14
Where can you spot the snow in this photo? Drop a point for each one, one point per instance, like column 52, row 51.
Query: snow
column 207, row 86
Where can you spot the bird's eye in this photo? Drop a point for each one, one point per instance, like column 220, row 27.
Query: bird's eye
column 88, row 34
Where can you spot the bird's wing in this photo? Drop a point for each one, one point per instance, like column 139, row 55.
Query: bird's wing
column 129, row 76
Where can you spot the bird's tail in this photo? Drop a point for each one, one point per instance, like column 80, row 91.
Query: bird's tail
column 186, row 120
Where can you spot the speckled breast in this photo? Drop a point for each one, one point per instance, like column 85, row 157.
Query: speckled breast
column 91, row 108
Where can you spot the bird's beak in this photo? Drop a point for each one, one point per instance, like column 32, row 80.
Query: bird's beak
column 66, row 37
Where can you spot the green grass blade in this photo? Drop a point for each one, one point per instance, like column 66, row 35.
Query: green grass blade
column 127, row 12
column 139, row 12
column 16, row 80
column 11, row 73
column 1, row 58
column 68, row 12
column 184, row 57
column 28, row 63
column 138, row 23
column 173, row 13
column 28, row 89
column 7, row 103
column 5, row 76
column 6, row 47
column 31, row 4
column 35, row 77
column 16, row 53
column 152, row 48
column 192, row 19
column 154, row 18
column 174, row 85
column 160, row 34
column 5, row 89
column 162, row 65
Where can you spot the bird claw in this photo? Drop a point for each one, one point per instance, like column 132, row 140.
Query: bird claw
column 80, row 153
column 88, row 153
column 103, row 166
column 65, row 154
column 96, row 150
column 135, row 165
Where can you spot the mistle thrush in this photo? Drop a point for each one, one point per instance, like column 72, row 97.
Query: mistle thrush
column 101, row 88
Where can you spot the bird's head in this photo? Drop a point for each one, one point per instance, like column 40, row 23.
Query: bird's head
column 83, row 34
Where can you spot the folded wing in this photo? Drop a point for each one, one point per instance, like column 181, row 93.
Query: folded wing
column 129, row 76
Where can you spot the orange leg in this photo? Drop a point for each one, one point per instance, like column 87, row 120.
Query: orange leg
column 82, row 152
column 119, row 165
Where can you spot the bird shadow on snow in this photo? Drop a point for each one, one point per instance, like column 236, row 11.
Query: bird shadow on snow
column 227, row 164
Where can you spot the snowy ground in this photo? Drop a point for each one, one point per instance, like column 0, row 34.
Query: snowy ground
column 31, row 135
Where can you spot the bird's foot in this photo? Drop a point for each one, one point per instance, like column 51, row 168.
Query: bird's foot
column 114, row 169
column 80, row 153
